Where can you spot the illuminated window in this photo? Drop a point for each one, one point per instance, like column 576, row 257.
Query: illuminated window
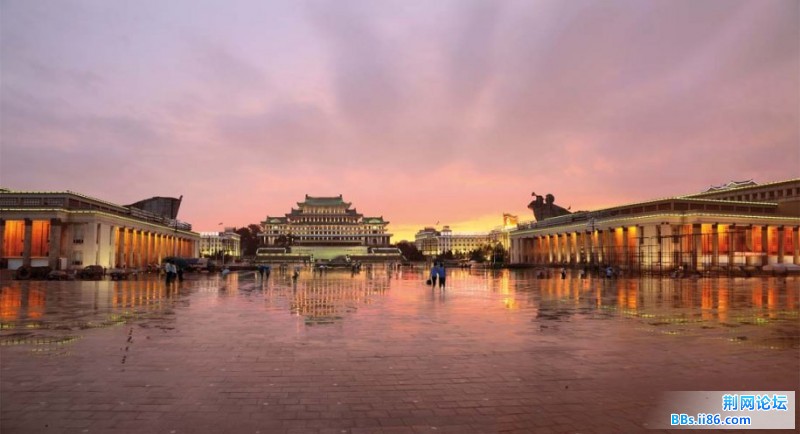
column 40, row 234
column 13, row 238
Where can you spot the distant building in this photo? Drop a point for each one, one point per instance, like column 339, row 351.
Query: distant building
column 325, row 221
column 69, row 230
column 227, row 242
column 432, row 242
column 324, row 227
column 740, row 224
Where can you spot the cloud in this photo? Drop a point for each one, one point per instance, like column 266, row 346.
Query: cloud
column 420, row 111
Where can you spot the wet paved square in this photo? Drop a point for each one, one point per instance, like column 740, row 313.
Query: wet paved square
column 497, row 351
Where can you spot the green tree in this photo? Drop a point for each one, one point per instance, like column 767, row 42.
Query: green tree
column 284, row 240
column 477, row 255
column 446, row 256
column 410, row 251
column 249, row 239
column 499, row 254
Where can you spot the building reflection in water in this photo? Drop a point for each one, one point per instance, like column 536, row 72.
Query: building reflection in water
column 724, row 306
column 329, row 297
column 60, row 305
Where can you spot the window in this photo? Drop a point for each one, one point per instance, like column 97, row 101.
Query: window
column 77, row 257
column 77, row 234
column 53, row 201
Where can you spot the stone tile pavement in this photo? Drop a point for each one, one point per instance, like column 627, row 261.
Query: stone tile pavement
column 373, row 354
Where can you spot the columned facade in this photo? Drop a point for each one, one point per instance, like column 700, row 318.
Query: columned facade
column 696, row 233
column 66, row 231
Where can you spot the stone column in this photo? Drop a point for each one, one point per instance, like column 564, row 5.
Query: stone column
column 529, row 250
column 89, row 244
column 55, row 243
column 765, row 245
column 601, row 253
column 715, row 245
column 513, row 250
column 559, row 249
column 138, row 245
column 26, row 243
column 541, row 249
column 576, row 251
column 612, row 247
column 626, row 259
column 749, row 245
column 130, row 236
column 697, row 245
column 796, row 244
column 569, row 248
column 677, row 246
column 781, row 244
column 659, row 247
column 731, row 246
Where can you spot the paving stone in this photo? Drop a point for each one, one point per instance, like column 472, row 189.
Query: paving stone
column 499, row 351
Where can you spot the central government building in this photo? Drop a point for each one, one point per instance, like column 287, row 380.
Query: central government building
column 728, row 227
column 325, row 227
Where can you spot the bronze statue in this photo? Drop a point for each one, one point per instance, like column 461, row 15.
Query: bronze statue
column 545, row 208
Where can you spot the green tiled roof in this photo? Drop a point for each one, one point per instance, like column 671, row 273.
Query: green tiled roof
column 324, row 201
column 275, row 220
column 374, row 220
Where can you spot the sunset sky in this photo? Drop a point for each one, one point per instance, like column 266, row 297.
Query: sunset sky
column 419, row 111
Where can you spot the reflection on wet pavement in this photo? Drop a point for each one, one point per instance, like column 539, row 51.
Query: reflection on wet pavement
column 392, row 348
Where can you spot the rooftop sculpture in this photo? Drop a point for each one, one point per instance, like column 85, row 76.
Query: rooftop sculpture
column 545, row 208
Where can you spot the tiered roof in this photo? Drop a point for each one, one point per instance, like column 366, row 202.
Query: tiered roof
column 324, row 201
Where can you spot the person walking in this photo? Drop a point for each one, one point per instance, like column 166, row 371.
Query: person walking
column 434, row 275
column 442, row 273
column 171, row 271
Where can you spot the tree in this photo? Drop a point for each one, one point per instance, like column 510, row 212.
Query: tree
column 410, row 251
column 284, row 240
column 499, row 254
column 477, row 255
column 249, row 239
column 446, row 256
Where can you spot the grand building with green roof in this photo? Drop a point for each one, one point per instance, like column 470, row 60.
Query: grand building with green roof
column 325, row 222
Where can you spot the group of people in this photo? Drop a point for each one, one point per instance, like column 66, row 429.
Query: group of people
column 438, row 273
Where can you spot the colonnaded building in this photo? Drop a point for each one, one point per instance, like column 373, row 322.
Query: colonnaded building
column 739, row 224
column 432, row 242
column 227, row 243
column 326, row 227
column 65, row 230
